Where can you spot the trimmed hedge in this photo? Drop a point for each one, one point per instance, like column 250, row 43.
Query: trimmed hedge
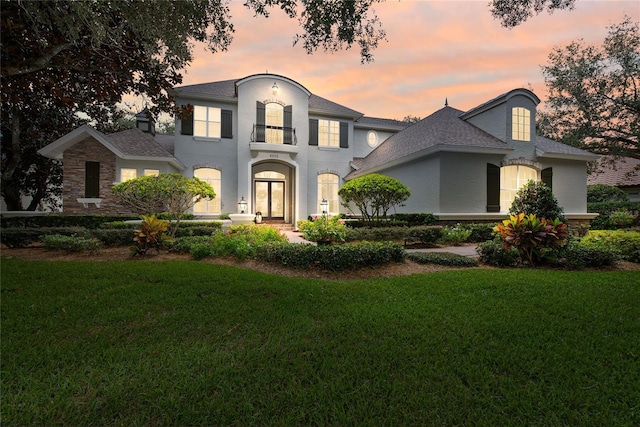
column 48, row 221
column 332, row 257
column 442, row 258
column 493, row 253
column 625, row 243
column 577, row 256
column 480, row 232
column 605, row 209
column 415, row 219
column 22, row 237
column 423, row 235
column 71, row 243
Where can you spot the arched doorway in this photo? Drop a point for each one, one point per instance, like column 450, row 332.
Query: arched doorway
column 273, row 191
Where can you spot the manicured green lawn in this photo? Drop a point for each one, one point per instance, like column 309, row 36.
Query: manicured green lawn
column 189, row 343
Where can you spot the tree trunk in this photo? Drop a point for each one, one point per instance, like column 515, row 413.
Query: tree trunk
column 10, row 185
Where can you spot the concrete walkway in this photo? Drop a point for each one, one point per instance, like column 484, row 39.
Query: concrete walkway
column 467, row 250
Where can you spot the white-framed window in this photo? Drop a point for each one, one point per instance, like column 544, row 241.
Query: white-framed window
column 513, row 178
column 372, row 138
column 206, row 122
column 328, row 189
column 213, row 177
column 520, row 124
column 126, row 174
column 151, row 172
column 274, row 116
column 328, row 133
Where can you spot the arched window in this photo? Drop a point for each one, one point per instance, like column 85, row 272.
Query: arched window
column 328, row 189
column 512, row 178
column 213, row 177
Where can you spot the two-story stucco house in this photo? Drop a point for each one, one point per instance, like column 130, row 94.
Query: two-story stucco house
column 268, row 141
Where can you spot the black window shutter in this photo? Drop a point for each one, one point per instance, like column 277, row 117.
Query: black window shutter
column 91, row 179
column 313, row 131
column 186, row 124
column 260, row 133
column 226, row 124
column 547, row 177
column 288, row 124
column 493, row 188
column 344, row 135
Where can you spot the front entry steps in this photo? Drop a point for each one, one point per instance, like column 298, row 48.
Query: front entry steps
column 280, row 225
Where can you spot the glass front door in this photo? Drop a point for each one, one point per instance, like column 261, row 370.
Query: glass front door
column 270, row 199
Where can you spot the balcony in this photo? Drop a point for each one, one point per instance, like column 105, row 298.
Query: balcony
column 274, row 139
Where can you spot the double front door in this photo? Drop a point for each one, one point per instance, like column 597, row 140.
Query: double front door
column 270, row 199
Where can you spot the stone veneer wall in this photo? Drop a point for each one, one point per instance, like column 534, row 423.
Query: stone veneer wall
column 89, row 150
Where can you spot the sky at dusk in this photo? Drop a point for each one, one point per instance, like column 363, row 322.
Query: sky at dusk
column 433, row 50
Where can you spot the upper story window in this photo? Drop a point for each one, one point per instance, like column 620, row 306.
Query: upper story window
column 206, row 122
column 372, row 138
column 328, row 133
column 274, row 115
column 520, row 124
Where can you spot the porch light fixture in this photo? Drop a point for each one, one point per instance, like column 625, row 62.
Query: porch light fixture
column 274, row 88
column 242, row 204
column 324, row 205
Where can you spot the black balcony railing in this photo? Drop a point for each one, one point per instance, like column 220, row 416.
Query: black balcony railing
column 274, row 135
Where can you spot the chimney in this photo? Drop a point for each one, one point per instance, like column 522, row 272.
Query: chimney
column 145, row 122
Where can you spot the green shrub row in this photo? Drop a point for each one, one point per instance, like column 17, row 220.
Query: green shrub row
column 414, row 219
column 71, row 243
column 605, row 209
column 422, row 235
column 442, row 258
column 21, row 237
column 332, row 257
column 377, row 224
column 49, row 221
column 577, row 256
column 625, row 243
column 183, row 225
column 480, row 232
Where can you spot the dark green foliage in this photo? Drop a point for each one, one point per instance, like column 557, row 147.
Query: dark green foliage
column 605, row 209
column 85, row 221
column 198, row 230
column 454, row 236
column 537, row 199
column 578, row 256
column 625, row 243
column 332, row 257
column 373, row 195
column 361, row 224
column 442, row 258
column 114, row 237
column 428, row 235
column 70, row 243
column 22, row 237
column 186, row 244
column 493, row 253
column 599, row 193
column 480, row 232
column 415, row 219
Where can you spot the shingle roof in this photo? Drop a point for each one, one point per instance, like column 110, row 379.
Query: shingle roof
column 134, row 142
column 443, row 129
column 226, row 89
column 548, row 147
column 382, row 123
column 621, row 173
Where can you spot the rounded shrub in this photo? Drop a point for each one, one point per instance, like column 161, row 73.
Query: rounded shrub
column 537, row 199
column 492, row 252
column 598, row 193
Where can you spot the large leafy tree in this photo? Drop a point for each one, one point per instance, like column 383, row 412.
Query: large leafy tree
column 78, row 58
column 594, row 93
column 512, row 13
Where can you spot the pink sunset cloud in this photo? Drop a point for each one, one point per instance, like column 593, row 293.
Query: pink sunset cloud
column 434, row 50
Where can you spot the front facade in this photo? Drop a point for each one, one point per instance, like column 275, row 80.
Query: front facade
column 267, row 141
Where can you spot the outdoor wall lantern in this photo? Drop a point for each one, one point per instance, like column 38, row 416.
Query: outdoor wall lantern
column 242, row 204
column 324, row 205
column 274, row 88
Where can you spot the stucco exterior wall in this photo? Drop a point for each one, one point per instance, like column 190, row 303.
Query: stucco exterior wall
column 569, row 184
column 73, row 175
column 423, row 178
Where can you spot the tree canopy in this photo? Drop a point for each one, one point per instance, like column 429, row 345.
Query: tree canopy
column 373, row 195
column 171, row 193
column 512, row 13
column 594, row 93
column 78, row 58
